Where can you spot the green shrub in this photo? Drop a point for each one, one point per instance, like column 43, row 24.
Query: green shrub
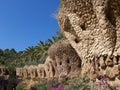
column 20, row 86
column 83, row 83
column 42, row 86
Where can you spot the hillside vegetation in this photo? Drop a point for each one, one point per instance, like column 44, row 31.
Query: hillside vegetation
column 32, row 55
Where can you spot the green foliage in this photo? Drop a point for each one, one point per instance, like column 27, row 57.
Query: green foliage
column 20, row 86
column 42, row 86
column 78, row 83
column 12, row 68
column 83, row 83
column 46, row 85
column 33, row 55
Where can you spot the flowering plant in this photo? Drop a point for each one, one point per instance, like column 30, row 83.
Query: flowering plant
column 103, row 82
column 59, row 87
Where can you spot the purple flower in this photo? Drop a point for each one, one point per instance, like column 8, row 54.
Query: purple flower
column 103, row 82
column 59, row 87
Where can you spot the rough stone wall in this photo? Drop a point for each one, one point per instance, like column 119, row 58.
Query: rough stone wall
column 65, row 58
column 4, row 72
column 62, row 61
column 93, row 30
column 91, row 26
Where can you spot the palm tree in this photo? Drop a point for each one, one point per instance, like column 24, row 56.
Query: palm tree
column 42, row 50
column 20, row 58
column 29, row 53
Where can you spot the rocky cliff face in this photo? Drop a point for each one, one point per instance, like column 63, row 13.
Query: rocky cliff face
column 92, row 28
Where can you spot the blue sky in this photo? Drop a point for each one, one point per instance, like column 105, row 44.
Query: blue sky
column 24, row 23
